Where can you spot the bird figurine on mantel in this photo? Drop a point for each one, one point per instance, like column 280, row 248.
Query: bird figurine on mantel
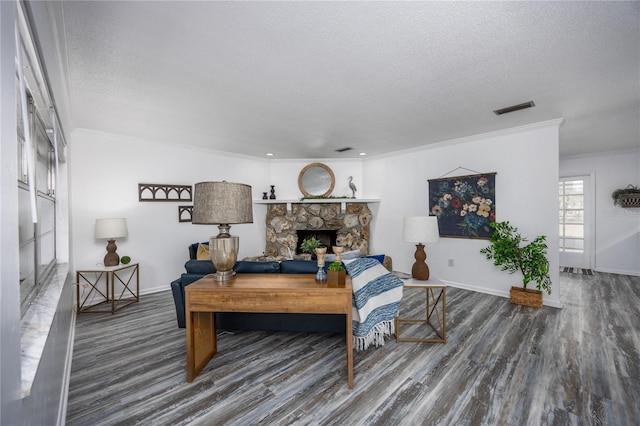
column 353, row 187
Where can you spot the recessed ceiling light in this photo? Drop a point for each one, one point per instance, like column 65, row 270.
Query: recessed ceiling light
column 362, row 153
column 269, row 154
column 513, row 108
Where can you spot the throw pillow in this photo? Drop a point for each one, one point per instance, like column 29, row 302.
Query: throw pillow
column 378, row 257
column 203, row 252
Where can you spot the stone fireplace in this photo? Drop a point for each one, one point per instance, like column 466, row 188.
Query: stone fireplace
column 286, row 229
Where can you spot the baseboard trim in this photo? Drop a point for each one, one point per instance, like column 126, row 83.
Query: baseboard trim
column 500, row 293
column 618, row 271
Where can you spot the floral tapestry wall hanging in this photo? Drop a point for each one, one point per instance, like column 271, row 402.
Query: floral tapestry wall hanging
column 464, row 205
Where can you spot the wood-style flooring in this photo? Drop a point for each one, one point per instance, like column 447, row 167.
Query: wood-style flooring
column 502, row 365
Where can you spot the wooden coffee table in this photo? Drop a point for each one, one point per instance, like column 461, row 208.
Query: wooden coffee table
column 270, row 293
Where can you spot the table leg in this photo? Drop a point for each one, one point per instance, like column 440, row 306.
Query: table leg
column 349, row 334
column 202, row 343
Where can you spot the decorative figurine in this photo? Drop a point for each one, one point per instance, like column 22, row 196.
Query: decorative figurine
column 264, row 196
column 273, row 193
column 353, row 187
column 338, row 252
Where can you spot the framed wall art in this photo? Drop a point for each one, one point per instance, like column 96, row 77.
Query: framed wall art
column 464, row 205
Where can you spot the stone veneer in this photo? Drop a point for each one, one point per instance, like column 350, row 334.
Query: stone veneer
column 352, row 225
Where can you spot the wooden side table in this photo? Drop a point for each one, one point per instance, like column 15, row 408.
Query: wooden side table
column 124, row 274
column 436, row 309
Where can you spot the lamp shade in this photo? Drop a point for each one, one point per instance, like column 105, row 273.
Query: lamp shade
column 421, row 229
column 222, row 203
column 111, row 228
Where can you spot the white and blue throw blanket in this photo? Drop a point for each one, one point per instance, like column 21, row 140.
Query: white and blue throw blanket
column 376, row 300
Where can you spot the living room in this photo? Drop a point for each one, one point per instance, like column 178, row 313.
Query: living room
column 104, row 168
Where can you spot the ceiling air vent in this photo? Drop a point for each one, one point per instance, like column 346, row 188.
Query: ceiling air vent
column 514, row 108
column 344, row 149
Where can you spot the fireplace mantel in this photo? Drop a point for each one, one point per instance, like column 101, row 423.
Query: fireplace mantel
column 343, row 201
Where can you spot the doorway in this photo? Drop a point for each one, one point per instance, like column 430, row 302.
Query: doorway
column 575, row 222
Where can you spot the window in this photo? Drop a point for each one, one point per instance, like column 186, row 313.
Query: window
column 37, row 240
column 571, row 221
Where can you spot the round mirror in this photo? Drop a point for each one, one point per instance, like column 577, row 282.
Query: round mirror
column 316, row 180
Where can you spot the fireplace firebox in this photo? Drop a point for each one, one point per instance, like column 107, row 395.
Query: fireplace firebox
column 327, row 237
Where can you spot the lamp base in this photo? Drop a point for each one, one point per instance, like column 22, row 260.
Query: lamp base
column 224, row 253
column 111, row 258
column 223, row 276
column 420, row 270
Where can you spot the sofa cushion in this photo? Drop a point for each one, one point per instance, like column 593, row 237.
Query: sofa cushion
column 298, row 267
column 245, row 266
column 202, row 267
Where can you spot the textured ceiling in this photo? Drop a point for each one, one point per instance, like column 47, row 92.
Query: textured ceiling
column 301, row 79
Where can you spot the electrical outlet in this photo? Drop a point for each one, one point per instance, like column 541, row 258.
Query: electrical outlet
column 451, row 262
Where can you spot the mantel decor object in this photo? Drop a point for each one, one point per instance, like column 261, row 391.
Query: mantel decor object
column 420, row 229
column 223, row 203
column 110, row 229
column 316, row 180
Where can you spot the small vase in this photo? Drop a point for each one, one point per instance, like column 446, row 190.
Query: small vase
column 321, row 276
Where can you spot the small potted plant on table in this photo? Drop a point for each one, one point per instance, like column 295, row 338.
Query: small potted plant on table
column 336, row 274
column 506, row 250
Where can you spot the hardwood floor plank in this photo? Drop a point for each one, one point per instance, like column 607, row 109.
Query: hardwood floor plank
column 502, row 364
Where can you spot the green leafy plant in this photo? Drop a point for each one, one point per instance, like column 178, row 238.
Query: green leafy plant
column 125, row 260
column 619, row 194
column 309, row 245
column 506, row 250
column 335, row 266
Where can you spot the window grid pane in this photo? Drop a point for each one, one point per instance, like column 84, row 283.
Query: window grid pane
column 571, row 216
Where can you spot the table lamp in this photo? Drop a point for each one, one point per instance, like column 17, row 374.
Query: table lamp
column 420, row 229
column 223, row 204
column 110, row 229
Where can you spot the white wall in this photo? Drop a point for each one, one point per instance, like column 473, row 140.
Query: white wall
column 526, row 162
column 617, row 229
column 105, row 170
column 104, row 174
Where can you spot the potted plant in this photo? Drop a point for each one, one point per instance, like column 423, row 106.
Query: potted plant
column 507, row 250
column 336, row 273
column 309, row 245
column 626, row 197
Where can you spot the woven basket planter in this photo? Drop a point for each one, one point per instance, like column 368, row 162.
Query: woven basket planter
column 526, row 297
column 630, row 201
